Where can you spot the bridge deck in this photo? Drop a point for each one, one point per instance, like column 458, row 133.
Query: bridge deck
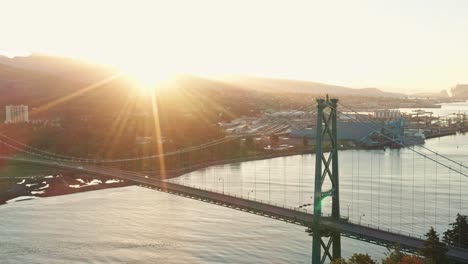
column 359, row 232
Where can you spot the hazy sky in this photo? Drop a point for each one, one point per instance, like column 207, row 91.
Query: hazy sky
column 403, row 46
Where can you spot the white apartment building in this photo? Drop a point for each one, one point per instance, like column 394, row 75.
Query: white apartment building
column 16, row 114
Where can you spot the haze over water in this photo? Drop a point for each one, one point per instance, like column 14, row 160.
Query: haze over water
column 395, row 190
column 392, row 189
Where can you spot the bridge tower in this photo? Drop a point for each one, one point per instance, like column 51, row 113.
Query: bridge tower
column 326, row 169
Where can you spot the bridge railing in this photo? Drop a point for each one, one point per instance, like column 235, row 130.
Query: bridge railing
column 90, row 167
column 250, row 198
column 387, row 229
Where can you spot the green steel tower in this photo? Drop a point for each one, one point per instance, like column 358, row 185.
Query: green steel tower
column 326, row 169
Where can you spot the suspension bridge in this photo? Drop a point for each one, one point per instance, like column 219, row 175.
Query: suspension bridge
column 372, row 196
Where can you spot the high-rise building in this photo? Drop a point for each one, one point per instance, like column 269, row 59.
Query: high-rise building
column 16, row 114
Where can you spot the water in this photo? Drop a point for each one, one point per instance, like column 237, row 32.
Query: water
column 396, row 189
column 446, row 109
column 393, row 189
column 138, row 225
column 134, row 224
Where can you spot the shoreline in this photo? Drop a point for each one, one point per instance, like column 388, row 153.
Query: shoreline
column 57, row 185
column 67, row 183
column 70, row 183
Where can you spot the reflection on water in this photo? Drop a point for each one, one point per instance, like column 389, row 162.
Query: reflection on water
column 446, row 109
column 135, row 225
column 394, row 189
column 138, row 225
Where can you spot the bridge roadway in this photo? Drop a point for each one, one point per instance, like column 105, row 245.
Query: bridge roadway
column 359, row 232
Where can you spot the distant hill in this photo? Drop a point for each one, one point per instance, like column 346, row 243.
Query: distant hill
column 441, row 94
column 189, row 108
column 20, row 85
column 41, row 81
column 66, row 68
column 295, row 86
column 83, row 71
column 43, row 91
column 460, row 91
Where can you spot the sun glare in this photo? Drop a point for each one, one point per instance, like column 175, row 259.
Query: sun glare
column 147, row 78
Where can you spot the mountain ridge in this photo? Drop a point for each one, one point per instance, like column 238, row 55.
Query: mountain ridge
column 86, row 72
column 301, row 86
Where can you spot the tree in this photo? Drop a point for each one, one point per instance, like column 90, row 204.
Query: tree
column 393, row 256
column 434, row 251
column 361, row 259
column 339, row 261
column 458, row 235
column 411, row 260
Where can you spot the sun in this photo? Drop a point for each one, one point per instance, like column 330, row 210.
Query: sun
column 146, row 77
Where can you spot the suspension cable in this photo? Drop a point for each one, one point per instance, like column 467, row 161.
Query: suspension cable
column 412, row 149
column 426, row 148
column 81, row 160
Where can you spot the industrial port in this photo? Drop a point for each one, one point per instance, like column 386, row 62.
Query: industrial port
column 286, row 129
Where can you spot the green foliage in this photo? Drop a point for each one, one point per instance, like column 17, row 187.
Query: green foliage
column 339, row 261
column 434, row 250
column 411, row 260
column 393, row 256
column 361, row 259
column 457, row 235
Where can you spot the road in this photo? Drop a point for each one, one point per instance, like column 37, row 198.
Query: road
column 292, row 215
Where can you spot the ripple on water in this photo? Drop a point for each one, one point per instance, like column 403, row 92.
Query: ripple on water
column 138, row 225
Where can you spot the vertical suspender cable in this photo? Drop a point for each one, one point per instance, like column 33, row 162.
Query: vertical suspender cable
column 378, row 197
column 300, row 183
column 255, row 177
column 460, row 201
column 285, row 183
column 401, row 192
column 358, row 185
column 435, row 197
column 424, row 200
column 269, row 180
column 372, row 187
column 412, row 199
column 449, row 193
column 391, row 195
column 352, row 181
